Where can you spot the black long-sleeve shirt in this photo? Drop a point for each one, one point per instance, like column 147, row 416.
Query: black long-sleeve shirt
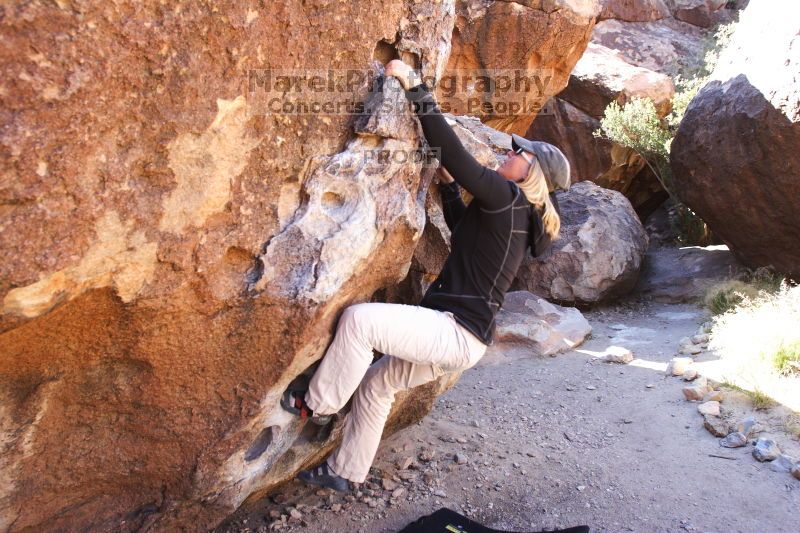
column 489, row 237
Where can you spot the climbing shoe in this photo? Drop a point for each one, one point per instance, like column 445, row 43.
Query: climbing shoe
column 294, row 401
column 323, row 476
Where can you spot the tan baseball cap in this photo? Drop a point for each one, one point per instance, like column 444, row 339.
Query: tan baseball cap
column 554, row 163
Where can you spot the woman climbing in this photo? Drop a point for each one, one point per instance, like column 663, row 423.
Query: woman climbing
column 513, row 208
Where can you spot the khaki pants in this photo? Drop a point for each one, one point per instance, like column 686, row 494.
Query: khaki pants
column 420, row 345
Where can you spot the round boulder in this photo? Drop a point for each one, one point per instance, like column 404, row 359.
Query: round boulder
column 599, row 254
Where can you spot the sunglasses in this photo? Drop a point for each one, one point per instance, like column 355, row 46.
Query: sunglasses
column 519, row 151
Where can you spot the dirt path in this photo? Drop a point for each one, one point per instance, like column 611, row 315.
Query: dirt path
column 555, row 442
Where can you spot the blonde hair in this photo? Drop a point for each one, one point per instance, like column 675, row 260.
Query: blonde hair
column 537, row 191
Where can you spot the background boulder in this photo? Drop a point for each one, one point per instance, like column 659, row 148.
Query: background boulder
column 599, row 254
column 735, row 156
column 636, row 48
column 534, row 38
column 703, row 13
column 685, row 274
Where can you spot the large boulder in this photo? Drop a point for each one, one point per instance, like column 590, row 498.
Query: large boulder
column 599, row 254
column 175, row 251
column 527, row 47
column 735, row 156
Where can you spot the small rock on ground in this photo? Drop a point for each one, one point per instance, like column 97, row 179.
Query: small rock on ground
column 709, row 408
column 678, row 365
column 405, row 463
column 766, row 450
column 734, row 440
column 783, row 463
column 697, row 390
column 692, row 349
column 716, row 426
column 746, row 426
column 690, row 374
column 618, row 354
column 714, row 395
column 427, row 455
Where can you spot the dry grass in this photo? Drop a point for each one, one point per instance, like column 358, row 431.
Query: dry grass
column 787, row 358
column 792, row 426
column 758, row 399
column 728, row 294
column 758, row 339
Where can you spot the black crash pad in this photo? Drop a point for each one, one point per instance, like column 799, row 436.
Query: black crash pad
column 448, row 521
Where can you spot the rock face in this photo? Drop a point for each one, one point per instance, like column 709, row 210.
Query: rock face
column 603, row 76
column 547, row 328
column 540, row 40
column 670, row 44
column 599, row 254
column 634, row 10
column 174, row 251
column 735, row 155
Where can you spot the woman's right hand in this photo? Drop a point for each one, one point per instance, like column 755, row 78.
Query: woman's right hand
column 443, row 175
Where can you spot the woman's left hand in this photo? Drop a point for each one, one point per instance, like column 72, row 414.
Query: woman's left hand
column 404, row 73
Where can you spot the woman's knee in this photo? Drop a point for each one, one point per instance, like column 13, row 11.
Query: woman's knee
column 354, row 315
column 353, row 325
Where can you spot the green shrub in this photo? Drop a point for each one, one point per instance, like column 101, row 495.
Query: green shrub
column 685, row 90
column 637, row 126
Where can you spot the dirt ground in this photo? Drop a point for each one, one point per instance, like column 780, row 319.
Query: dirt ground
column 524, row 443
